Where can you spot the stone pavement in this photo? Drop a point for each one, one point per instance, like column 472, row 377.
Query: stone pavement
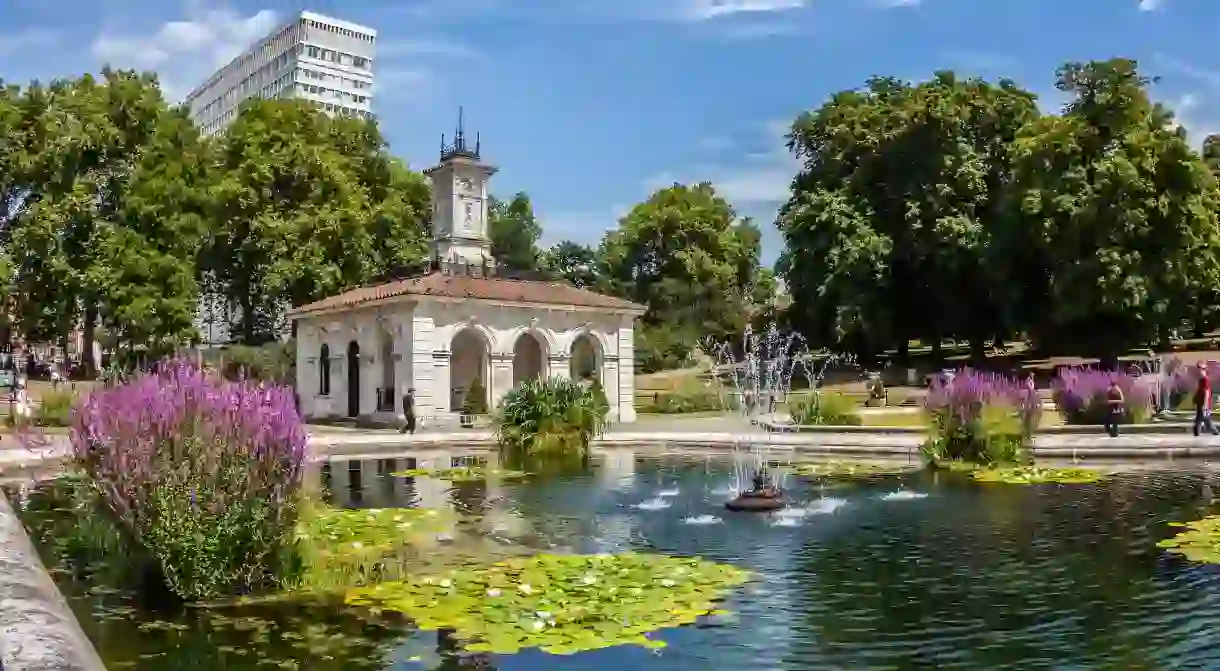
column 698, row 434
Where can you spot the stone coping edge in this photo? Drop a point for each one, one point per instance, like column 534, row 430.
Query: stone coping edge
column 38, row 631
column 1162, row 428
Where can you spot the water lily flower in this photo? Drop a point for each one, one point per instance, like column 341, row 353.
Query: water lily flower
column 446, row 583
column 524, row 588
column 588, row 579
column 493, row 592
column 357, row 544
column 538, row 625
column 543, row 615
column 668, row 583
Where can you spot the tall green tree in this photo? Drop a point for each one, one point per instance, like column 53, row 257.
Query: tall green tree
column 891, row 224
column 573, row 262
column 514, row 232
column 83, row 139
column 1119, row 215
column 304, row 206
column 686, row 255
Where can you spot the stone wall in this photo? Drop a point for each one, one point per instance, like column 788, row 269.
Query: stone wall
column 38, row 631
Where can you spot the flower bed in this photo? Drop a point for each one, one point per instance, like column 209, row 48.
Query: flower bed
column 1080, row 395
column 981, row 418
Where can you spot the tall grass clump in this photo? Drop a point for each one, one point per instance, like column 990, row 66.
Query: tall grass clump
column 1080, row 394
column 981, row 418
column 551, row 417
column 201, row 475
column 823, row 409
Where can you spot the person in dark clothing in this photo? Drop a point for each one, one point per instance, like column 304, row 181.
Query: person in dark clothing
column 1203, row 402
column 1114, row 408
column 408, row 412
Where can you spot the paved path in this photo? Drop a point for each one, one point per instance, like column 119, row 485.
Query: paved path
column 712, row 436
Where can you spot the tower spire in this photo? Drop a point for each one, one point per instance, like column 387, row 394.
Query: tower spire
column 459, row 146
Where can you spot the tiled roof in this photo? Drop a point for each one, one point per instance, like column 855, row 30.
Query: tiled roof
column 474, row 288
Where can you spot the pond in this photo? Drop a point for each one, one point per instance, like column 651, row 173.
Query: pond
column 909, row 571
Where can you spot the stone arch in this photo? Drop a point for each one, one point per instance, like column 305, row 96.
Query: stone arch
column 530, row 357
column 324, row 370
column 470, row 360
column 353, row 379
column 586, row 356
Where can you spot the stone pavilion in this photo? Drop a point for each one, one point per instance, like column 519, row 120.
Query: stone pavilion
column 464, row 320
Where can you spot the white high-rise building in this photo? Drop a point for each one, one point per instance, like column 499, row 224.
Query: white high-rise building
column 313, row 57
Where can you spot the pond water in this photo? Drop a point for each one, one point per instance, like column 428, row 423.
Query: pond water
column 900, row 572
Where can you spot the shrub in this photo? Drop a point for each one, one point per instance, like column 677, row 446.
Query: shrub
column 273, row 362
column 828, row 409
column 689, row 397
column 55, row 408
column 475, row 402
column 1080, row 394
column 201, row 474
column 554, row 415
column 981, row 418
column 661, row 347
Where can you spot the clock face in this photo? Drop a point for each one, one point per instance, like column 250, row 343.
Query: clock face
column 465, row 183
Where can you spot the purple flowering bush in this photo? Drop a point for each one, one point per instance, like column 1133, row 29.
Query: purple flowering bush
column 981, row 418
column 200, row 475
column 1080, row 394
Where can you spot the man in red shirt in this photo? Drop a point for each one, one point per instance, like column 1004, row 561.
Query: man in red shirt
column 1203, row 402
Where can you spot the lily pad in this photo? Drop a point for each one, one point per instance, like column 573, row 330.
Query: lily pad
column 561, row 604
column 1200, row 542
column 1036, row 475
column 845, row 470
column 461, row 473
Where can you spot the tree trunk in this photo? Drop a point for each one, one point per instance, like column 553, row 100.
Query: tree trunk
column 978, row 349
column 247, row 319
column 88, row 332
column 904, row 352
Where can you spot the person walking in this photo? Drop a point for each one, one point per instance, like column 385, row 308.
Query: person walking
column 408, row 412
column 1203, row 403
column 1114, row 407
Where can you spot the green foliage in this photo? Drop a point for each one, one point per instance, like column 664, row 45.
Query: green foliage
column 1199, row 543
column 553, row 415
column 828, row 409
column 514, row 232
column 688, row 397
column 561, row 604
column 303, row 206
column 1036, row 475
column 995, row 436
column 663, row 347
column 573, row 262
column 685, row 255
column 475, row 402
column 273, row 362
column 55, row 408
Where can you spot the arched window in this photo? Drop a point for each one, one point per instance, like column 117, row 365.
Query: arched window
column 324, row 371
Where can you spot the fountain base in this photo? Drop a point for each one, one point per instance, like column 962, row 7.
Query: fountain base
column 763, row 500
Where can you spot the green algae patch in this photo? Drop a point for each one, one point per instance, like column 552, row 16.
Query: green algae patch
column 846, row 470
column 1036, row 475
column 337, row 548
column 561, row 604
column 461, row 473
column 1200, row 542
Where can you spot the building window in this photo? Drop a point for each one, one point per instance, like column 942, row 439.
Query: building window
column 360, row 62
column 324, row 371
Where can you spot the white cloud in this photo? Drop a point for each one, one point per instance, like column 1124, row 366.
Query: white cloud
column 753, row 179
column 703, row 10
column 394, row 48
column 185, row 52
column 1151, row 5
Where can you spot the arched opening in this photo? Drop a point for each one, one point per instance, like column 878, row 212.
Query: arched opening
column 324, row 371
column 470, row 362
column 385, row 392
column 586, row 361
column 528, row 359
column 353, row 379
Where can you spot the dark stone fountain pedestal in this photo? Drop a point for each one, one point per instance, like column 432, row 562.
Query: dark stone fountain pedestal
column 761, row 498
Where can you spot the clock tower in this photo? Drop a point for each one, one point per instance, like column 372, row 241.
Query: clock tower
column 459, row 202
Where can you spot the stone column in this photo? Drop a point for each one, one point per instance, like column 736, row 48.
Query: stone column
column 501, row 377
column 559, row 365
column 626, row 371
column 609, row 377
column 423, row 375
column 370, row 367
column 404, row 377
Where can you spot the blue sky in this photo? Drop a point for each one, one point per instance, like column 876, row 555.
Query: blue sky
column 590, row 104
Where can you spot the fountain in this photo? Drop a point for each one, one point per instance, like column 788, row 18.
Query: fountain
column 759, row 376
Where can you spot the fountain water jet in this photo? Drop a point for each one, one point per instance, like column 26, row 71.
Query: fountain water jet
column 759, row 376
